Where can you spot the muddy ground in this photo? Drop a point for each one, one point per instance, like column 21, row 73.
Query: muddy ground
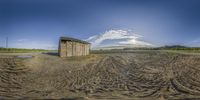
column 151, row 75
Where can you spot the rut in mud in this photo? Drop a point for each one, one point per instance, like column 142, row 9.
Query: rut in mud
column 131, row 75
column 11, row 78
column 170, row 77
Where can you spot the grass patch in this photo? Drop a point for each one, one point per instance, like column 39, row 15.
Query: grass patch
column 17, row 50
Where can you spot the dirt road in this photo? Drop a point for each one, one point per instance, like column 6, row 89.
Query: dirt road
column 139, row 76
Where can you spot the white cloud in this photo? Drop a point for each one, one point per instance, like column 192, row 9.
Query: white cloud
column 193, row 43
column 123, row 38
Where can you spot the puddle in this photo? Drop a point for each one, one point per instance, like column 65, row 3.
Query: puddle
column 25, row 56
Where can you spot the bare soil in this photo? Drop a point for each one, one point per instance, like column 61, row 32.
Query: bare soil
column 151, row 75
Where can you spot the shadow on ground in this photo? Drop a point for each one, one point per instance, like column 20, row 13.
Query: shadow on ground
column 51, row 53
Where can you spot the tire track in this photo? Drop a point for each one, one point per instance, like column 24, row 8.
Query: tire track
column 11, row 78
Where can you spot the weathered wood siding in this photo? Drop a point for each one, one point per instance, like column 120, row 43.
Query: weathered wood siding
column 63, row 49
column 72, row 48
column 69, row 48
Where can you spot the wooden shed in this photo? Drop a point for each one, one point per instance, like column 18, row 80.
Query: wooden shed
column 73, row 47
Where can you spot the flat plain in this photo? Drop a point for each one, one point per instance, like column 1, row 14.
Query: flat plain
column 139, row 75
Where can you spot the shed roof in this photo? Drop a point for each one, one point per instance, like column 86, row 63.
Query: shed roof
column 73, row 39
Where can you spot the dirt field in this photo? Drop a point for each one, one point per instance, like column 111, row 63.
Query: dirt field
column 139, row 75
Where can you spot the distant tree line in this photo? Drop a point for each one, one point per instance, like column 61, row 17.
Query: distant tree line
column 172, row 47
column 7, row 50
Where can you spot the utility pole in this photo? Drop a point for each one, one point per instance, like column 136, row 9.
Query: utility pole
column 6, row 42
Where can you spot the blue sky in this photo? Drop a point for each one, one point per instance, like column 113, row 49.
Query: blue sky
column 40, row 23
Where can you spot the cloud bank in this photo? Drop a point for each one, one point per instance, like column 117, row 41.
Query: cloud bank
column 124, row 38
column 193, row 43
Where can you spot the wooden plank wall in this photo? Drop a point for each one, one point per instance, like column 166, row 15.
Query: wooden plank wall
column 74, row 49
column 71, row 48
column 63, row 49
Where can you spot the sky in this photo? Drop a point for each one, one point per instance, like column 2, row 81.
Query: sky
column 104, row 23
